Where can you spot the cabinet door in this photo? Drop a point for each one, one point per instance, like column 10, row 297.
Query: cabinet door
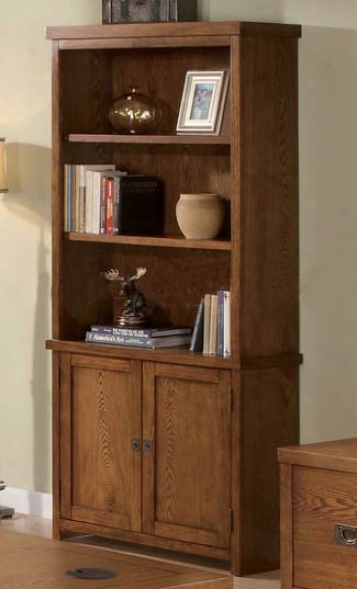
column 100, row 467
column 186, row 458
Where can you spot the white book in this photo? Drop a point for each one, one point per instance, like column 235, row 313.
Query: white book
column 226, row 324
column 206, row 322
column 89, row 195
column 213, row 326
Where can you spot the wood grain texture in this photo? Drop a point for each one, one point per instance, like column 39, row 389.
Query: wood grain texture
column 269, row 197
column 318, row 492
column 270, row 403
column 36, row 562
column 322, row 498
column 105, row 482
column 225, row 502
column 197, row 29
column 339, row 455
column 286, row 525
column 187, row 416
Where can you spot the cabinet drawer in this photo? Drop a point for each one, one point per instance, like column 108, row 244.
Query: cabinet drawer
column 322, row 499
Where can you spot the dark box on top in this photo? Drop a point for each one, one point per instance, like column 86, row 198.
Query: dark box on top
column 126, row 11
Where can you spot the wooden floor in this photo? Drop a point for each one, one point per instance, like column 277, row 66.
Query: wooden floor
column 43, row 529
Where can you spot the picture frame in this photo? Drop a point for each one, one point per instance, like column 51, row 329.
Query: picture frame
column 202, row 102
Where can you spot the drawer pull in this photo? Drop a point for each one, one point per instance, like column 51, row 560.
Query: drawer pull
column 345, row 535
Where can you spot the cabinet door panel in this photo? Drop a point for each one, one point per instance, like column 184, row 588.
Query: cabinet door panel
column 101, row 411
column 187, row 475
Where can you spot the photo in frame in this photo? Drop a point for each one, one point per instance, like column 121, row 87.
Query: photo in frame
column 203, row 101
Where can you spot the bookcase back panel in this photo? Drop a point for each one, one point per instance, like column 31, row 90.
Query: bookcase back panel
column 161, row 75
column 182, row 170
column 90, row 80
column 85, row 91
column 175, row 283
column 84, row 298
column 172, row 286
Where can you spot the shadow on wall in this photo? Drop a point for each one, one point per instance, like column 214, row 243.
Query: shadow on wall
column 29, row 179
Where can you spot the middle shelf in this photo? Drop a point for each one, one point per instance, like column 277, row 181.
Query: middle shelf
column 167, row 241
column 149, row 139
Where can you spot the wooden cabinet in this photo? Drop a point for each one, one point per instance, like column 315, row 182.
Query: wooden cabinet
column 187, row 419
column 319, row 515
column 168, row 448
column 164, row 446
column 100, row 456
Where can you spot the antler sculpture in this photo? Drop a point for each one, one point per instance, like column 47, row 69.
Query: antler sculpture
column 133, row 307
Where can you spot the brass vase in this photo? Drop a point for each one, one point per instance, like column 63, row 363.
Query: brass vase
column 134, row 113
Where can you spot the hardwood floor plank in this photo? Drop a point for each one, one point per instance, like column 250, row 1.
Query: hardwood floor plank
column 43, row 528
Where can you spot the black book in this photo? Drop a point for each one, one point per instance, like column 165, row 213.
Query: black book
column 138, row 205
column 196, row 344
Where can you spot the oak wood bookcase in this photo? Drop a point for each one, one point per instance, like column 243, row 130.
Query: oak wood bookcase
column 167, row 448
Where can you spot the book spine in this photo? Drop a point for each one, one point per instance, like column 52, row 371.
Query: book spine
column 196, row 344
column 73, row 199
column 76, row 193
column 103, row 208
column 116, row 206
column 81, row 197
column 124, row 340
column 206, row 323
column 213, row 326
column 139, row 342
column 121, row 331
column 89, row 201
column 171, row 341
column 109, row 198
column 226, row 324
column 67, row 198
column 96, row 198
column 142, row 333
column 220, row 326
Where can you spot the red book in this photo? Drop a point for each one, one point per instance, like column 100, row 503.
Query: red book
column 109, row 194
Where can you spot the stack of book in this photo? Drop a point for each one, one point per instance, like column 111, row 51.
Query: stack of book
column 150, row 338
column 105, row 201
column 212, row 329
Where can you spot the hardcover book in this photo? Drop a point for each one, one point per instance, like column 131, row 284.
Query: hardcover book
column 212, row 347
column 138, row 205
column 220, row 325
column 226, row 324
column 196, row 344
column 152, row 343
column 144, row 332
column 206, row 322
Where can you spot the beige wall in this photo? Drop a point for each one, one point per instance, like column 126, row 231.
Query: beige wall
column 328, row 181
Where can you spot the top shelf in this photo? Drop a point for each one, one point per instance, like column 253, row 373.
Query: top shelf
column 170, row 30
column 150, row 139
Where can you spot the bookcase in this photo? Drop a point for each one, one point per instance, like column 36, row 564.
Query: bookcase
column 171, row 449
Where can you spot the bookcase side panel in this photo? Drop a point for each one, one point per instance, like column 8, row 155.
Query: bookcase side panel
column 270, row 420
column 270, row 305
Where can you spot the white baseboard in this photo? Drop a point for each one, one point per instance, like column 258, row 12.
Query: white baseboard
column 27, row 502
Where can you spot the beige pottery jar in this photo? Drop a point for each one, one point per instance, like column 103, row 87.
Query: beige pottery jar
column 200, row 216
